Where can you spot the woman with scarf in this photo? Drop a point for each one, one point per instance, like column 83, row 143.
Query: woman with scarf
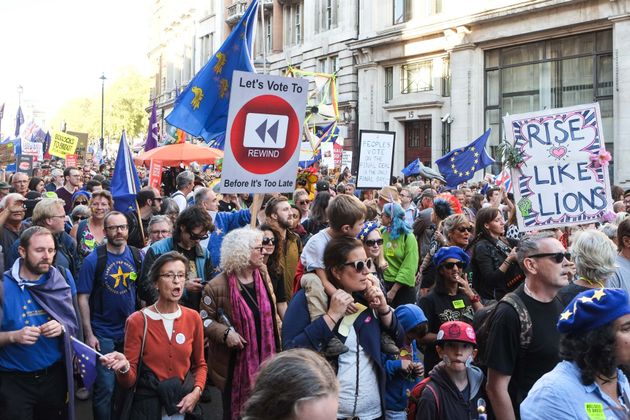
column 238, row 309
column 372, row 240
column 360, row 369
column 401, row 255
column 494, row 268
column 164, row 357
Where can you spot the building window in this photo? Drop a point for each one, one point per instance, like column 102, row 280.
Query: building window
column 446, row 76
column 268, row 34
column 206, row 48
column 293, row 24
column 549, row 74
column 402, row 11
column 389, row 84
column 328, row 12
column 417, row 77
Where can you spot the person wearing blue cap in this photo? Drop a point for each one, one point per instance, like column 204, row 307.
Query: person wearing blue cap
column 587, row 383
column 405, row 369
column 451, row 299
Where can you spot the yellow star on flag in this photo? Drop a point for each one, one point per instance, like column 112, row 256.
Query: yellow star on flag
column 585, row 299
column 118, row 276
column 476, row 154
column 599, row 294
column 467, row 173
column 565, row 315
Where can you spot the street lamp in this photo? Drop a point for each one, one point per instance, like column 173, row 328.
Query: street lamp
column 102, row 140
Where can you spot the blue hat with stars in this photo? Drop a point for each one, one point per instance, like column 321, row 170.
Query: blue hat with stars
column 367, row 228
column 592, row 309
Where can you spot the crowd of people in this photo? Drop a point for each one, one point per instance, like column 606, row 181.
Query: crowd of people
column 412, row 301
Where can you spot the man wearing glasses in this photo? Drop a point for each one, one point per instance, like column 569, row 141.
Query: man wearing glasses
column 513, row 369
column 20, row 183
column 149, row 202
column 72, row 182
column 107, row 296
column 408, row 206
column 191, row 227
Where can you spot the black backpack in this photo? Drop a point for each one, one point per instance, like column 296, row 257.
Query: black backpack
column 96, row 297
column 484, row 318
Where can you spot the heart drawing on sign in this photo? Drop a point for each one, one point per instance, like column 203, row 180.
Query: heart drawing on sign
column 558, row 151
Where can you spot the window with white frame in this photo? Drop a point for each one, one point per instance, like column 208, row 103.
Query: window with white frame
column 417, row 77
column 293, row 23
column 402, row 11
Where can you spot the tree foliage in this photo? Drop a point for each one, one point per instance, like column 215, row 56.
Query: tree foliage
column 126, row 100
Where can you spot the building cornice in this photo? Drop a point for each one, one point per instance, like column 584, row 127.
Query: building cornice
column 402, row 33
column 413, row 105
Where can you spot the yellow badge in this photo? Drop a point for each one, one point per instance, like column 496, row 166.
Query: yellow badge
column 459, row 304
column 595, row 411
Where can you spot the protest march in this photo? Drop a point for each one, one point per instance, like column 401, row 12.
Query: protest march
column 253, row 266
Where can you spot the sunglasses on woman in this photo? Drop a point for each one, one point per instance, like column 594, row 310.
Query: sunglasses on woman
column 360, row 265
column 372, row 242
column 269, row 241
column 450, row 265
column 463, row 229
column 557, row 257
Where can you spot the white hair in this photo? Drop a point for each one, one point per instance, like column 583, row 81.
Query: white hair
column 236, row 248
column 594, row 255
column 12, row 197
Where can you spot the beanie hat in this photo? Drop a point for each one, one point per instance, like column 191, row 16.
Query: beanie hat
column 592, row 309
column 456, row 331
column 366, row 229
column 409, row 316
column 447, row 252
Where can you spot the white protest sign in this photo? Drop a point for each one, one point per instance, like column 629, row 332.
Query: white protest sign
column 376, row 158
column 564, row 179
column 264, row 131
column 30, row 148
column 346, row 159
column 328, row 156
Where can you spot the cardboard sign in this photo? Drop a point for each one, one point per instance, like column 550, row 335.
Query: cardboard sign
column 264, row 130
column 346, row 159
column 562, row 181
column 62, row 144
column 25, row 165
column 376, row 158
column 328, row 154
column 72, row 161
column 155, row 174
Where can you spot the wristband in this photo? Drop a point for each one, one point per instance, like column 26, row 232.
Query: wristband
column 331, row 318
column 387, row 312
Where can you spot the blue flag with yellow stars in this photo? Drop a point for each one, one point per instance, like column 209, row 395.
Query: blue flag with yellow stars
column 201, row 109
column 460, row 165
column 86, row 358
column 125, row 182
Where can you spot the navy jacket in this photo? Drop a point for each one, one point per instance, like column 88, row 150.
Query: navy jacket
column 299, row 331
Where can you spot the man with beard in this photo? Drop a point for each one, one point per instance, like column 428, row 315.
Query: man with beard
column 149, row 202
column 37, row 322
column 280, row 218
column 107, row 296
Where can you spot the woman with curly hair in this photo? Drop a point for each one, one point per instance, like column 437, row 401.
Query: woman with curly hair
column 238, row 309
column 587, row 383
column 494, row 268
column 401, row 254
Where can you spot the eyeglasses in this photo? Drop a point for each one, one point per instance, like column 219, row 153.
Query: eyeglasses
column 462, row 229
column 80, row 217
column 63, row 216
column 258, row 248
column 80, row 202
column 157, row 199
column 557, row 257
column 160, row 232
column 360, row 265
column 173, row 276
column 196, row 237
column 302, row 202
column 372, row 242
column 450, row 265
column 117, row 227
column 269, row 241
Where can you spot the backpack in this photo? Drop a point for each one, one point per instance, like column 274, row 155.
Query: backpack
column 101, row 261
column 484, row 318
column 416, row 393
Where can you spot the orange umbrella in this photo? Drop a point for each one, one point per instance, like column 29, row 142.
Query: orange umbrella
column 174, row 154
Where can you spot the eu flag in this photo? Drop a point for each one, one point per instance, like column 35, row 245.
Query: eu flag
column 460, row 165
column 412, row 169
column 86, row 357
column 19, row 120
column 125, row 181
column 202, row 108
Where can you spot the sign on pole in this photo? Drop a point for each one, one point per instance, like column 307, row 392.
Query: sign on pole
column 564, row 176
column 376, row 158
column 25, row 164
column 30, row 148
column 62, row 144
column 72, row 161
column 328, row 154
column 155, row 174
column 264, row 129
column 346, row 159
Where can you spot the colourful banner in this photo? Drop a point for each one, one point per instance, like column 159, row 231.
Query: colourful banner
column 155, row 174
column 72, row 161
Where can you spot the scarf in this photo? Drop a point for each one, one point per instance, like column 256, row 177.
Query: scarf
column 55, row 298
column 249, row 359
